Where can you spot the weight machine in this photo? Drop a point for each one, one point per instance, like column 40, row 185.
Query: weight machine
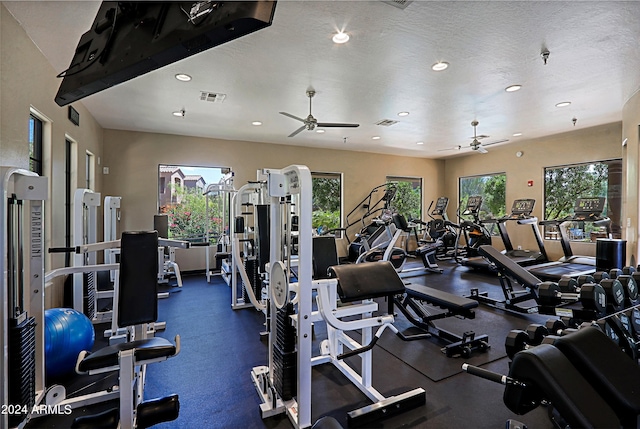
column 284, row 386
column 249, row 246
column 223, row 191
column 22, row 316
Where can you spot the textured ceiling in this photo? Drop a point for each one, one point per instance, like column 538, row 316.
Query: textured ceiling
column 385, row 68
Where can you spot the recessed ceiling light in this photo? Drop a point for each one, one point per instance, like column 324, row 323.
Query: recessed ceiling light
column 340, row 37
column 183, row 77
column 403, row 113
column 513, row 88
column 420, row 143
column 320, row 131
column 375, row 138
column 256, row 123
column 439, row 66
column 179, row 113
column 563, row 104
column 517, row 134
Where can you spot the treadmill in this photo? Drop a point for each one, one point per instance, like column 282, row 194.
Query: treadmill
column 520, row 213
column 585, row 210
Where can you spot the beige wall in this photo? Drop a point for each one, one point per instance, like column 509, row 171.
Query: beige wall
column 631, row 199
column 133, row 160
column 591, row 144
column 28, row 81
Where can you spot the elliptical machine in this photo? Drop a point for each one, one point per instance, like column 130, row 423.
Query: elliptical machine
column 474, row 232
column 375, row 229
column 441, row 229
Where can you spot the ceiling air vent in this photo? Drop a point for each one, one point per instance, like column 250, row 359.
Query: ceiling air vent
column 400, row 4
column 386, row 122
column 212, row 97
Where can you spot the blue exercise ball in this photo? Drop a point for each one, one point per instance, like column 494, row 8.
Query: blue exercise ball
column 67, row 332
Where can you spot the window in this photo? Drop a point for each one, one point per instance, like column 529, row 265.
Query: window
column 181, row 197
column 327, row 201
column 89, row 169
column 408, row 199
column 563, row 185
column 492, row 189
column 35, row 145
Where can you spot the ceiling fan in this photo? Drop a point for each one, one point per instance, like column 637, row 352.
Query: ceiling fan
column 311, row 123
column 476, row 144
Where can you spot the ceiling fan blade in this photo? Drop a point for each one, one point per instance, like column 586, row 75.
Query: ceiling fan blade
column 480, row 149
column 335, row 125
column 296, row 132
column 450, row 148
column 292, row 117
column 495, row 142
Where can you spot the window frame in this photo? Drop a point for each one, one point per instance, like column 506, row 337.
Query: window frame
column 484, row 209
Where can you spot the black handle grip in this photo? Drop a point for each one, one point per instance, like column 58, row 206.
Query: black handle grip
column 62, row 250
column 486, row 374
column 360, row 350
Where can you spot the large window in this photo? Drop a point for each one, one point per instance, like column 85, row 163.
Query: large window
column 327, row 201
column 408, row 198
column 35, row 145
column 563, row 185
column 181, row 196
column 492, row 189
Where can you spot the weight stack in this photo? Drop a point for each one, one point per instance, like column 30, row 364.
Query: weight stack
column 285, row 355
column 22, row 367
column 89, row 300
column 251, row 268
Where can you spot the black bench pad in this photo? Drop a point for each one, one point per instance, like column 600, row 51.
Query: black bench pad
column 550, row 375
column 505, row 264
column 146, row 349
column 366, row 281
column 456, row 304
column 608, row 369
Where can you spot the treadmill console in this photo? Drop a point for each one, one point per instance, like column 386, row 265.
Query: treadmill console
column 588, row 208
column 521, row 209
column 441, row 206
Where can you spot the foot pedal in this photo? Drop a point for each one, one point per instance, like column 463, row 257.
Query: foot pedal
column 105, row 420
column 157, row 410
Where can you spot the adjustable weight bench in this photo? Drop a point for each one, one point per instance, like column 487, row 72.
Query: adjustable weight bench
column 410, row 304
column 136, row 299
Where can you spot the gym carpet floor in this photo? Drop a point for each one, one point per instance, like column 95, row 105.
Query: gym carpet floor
column 220, row 346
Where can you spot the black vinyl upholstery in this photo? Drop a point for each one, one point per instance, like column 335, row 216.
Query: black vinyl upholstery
column 138, row 285
column 366, row 281
column 456, row 304
column 145, row 349
column 608, row 369
column 522, row 276
column 550, row 375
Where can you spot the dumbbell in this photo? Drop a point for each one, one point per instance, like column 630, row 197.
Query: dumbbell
column 614, row 273
column 630, row 287
column 568, row 285
column 628, row 270
column 593, row 297
column 516, row 341
column 598, row 276
column 585, row 278
column 615, row 294
column 536, row 333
